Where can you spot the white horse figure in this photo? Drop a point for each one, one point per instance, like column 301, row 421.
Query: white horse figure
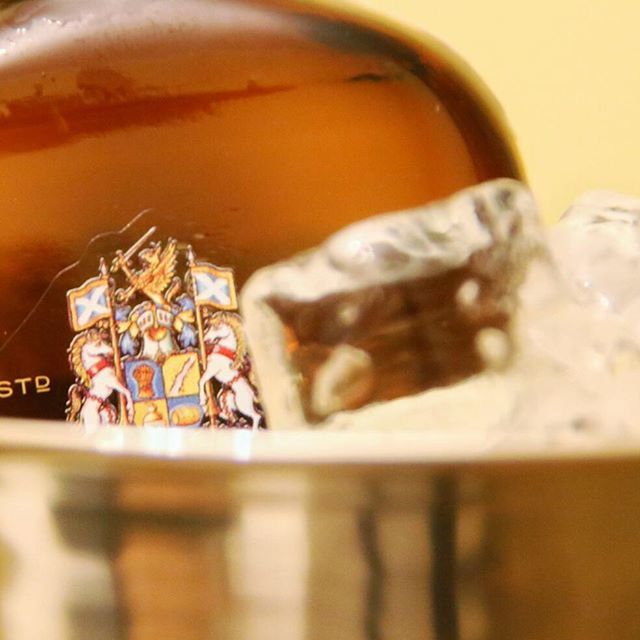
column 91, row 358
column 227, row 364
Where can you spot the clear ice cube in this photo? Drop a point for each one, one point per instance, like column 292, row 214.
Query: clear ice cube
column 578, row 328
column 389, row 310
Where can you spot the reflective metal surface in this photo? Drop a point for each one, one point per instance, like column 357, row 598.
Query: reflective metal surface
column 165, row 534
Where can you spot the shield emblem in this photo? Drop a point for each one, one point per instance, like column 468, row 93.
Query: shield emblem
column 147, row 329
column 167, row 393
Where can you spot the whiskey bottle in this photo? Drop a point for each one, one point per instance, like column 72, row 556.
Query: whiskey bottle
column 154, row 154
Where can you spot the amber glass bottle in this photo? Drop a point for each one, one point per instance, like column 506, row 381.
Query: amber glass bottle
column 246, row 130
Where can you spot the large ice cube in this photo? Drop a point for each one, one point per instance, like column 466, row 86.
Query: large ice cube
column 391, row 321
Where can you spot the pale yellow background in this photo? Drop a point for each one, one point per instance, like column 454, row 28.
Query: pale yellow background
column 567, row 74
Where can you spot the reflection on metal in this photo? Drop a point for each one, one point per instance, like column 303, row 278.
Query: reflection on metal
column 442, row 528
column 374, row 592
column 100, row 546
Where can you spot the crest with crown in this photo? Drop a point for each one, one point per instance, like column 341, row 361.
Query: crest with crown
column 159, row 342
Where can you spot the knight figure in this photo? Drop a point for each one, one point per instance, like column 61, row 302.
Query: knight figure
column 164, row 323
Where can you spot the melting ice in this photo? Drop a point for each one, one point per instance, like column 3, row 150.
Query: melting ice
column 463, row 314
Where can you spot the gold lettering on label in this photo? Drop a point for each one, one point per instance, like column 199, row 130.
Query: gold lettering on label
column 24, row 386
column 43, row 384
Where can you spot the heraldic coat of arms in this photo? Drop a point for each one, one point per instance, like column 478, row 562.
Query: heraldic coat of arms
column 156, row 348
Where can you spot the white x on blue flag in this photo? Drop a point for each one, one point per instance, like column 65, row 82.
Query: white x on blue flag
column 214, row 286
column 88, row 303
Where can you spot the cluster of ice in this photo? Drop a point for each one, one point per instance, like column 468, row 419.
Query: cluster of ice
column 464, row 314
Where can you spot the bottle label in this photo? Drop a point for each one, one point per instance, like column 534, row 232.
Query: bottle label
column 159, row 342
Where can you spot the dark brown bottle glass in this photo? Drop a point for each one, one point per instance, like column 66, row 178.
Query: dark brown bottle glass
column 247, row 131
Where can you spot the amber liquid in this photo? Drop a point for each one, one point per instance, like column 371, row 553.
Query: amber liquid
column 252, row 141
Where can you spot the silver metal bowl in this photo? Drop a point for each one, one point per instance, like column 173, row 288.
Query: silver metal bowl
column 167, row 533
